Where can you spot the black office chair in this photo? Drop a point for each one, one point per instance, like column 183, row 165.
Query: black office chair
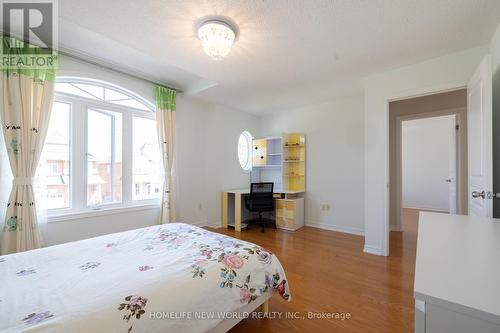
column 261, row 200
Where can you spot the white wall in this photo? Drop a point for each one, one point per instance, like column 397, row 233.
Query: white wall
column 206, row 161
column 334, row 159
column 427, row 152
column 495, row 50
column 495, row 62
column 437, row 74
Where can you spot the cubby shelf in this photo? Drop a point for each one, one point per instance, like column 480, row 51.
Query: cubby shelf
column 272, row 162
column 267, row 166
column 294, row 166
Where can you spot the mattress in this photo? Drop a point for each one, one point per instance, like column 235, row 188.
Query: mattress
column 167, row 278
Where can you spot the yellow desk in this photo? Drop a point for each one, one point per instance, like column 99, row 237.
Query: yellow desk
column 238, row 194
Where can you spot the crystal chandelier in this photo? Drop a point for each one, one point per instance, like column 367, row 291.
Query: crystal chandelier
column 217, row 38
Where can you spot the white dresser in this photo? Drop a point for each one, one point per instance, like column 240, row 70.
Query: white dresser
column 457, row 275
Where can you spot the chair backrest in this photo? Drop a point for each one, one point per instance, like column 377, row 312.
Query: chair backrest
column 261, row 194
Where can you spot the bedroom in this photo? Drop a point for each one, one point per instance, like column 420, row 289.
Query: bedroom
column 123, row 76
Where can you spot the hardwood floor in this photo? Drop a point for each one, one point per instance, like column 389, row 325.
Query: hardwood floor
column 328, row 272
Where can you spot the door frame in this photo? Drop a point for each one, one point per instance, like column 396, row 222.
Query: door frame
column 484, row 180
column 387, row 98
column 460, row 158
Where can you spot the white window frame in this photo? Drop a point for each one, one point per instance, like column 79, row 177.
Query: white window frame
column 249, row 137
column 79, row 107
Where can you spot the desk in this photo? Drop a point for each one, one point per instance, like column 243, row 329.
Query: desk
column 238, row 194
column 457, row 272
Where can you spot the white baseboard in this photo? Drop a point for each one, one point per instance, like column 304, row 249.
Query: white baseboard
column 373, row 250
column 437, row 210
column 214, row 225
column 338, row 228
column 347, row 230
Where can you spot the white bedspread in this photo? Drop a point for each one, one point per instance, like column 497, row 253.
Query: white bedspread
column 124, row 282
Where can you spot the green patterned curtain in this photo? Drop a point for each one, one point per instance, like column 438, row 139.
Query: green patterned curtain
column 165, row 121
column 165, row 98
column 26, row 96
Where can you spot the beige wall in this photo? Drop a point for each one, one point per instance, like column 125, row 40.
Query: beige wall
column 454, row 102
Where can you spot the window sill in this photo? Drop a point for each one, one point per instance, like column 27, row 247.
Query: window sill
column 67, row 216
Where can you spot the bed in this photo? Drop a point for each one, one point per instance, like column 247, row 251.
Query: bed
column 167, row 278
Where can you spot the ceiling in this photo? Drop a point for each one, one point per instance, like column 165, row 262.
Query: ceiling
column 289, row 53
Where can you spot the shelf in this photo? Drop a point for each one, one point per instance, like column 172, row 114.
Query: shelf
column 294, row 146
column 274, row 154
column 267, row 166
column 293, row 161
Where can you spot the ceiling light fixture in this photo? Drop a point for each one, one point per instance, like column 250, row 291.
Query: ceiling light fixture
column 217, row 37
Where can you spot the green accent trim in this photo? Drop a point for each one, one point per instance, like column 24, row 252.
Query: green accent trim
column 39, row 63
column 165, row 98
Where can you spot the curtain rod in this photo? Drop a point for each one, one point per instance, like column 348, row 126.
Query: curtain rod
column 100, row 63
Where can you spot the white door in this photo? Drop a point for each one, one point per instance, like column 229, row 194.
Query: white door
column 479, row 121
column 452, row 180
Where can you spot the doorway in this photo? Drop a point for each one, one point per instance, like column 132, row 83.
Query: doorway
column 428, row 156
column 428, row 166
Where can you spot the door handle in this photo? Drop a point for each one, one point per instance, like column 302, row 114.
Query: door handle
column 485, row 195
column 477, row 194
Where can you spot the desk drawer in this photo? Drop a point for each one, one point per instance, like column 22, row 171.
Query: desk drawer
column 290, row 213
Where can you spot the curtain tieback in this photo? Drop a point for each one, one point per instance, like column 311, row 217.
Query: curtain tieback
column 22, row 181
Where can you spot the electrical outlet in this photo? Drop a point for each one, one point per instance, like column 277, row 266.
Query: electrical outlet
column 325, row 207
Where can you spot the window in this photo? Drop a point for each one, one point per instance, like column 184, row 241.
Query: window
column 146, row 159
column 56, row 154
column 101, row 148
column 245, row 150
column 104, row 157
column 100, row 93
column 53, row 167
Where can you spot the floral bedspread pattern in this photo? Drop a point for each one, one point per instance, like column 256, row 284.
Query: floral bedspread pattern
column 116, row 283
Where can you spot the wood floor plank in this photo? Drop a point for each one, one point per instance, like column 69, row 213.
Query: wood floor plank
column 328, row 272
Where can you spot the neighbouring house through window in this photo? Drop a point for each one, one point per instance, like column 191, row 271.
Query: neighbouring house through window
column 101, row 148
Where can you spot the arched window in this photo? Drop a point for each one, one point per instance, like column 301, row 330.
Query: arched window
column 101, row 148
column 101, row 91
column 245, row 150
